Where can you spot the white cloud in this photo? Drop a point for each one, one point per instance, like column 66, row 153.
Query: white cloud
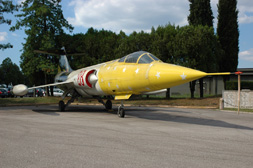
column 128, row 15
column 245, row 19
column 246, row 55
column 3, row 36
column 245, row 8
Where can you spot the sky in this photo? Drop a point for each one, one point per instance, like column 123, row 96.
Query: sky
column 129, row 16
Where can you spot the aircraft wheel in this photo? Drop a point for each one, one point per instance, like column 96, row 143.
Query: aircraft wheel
column 108, row 105
column 61, row 105
column 121, row 112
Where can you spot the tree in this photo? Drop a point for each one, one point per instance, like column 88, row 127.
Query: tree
column 10, row 73
column 162, row 40
column 100, row 45
column 200, row 13
column 194, row 47
column 43, row 22
column 93, row 47
column 228, row 35
column 134, row 42
column 120, row 43
column 6, row 7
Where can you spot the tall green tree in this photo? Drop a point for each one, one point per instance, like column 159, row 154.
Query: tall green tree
column 43, row 22
column 228, row 34
column 200, row 14
column 6, row 6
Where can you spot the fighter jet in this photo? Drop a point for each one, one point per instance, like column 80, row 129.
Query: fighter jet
column 134, row 74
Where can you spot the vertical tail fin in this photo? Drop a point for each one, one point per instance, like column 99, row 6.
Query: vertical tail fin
column 64, row 69
column 64, row 64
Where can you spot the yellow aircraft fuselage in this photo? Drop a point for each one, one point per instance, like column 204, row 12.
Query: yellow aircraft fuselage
column 136, row 73
column 117, row 78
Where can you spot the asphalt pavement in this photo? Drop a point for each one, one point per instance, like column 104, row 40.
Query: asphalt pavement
column 148, row 137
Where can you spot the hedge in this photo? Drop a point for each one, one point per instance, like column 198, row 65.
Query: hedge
column 233, row 85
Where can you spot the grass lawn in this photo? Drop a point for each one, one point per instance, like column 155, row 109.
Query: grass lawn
column 210, row 102
column 28, row 101
column 214, row 102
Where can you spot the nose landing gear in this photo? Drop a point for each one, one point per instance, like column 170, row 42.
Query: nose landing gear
column 121, row 110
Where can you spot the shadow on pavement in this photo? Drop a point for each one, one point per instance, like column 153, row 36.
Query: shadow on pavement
column 148, row 113
column 167, row 116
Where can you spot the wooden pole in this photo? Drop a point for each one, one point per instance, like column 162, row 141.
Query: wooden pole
column 239, row 90
column 239, row 93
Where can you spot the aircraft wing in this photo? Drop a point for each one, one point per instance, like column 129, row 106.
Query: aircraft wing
column 21, row 90
column 52, row 84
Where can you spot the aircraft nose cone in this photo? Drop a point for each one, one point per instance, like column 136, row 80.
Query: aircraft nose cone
column 162, row 75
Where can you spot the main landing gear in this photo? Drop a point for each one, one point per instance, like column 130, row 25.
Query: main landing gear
column 107, row 104
column 62, row 105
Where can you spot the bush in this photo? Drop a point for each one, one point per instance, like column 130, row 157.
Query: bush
column 233, row 85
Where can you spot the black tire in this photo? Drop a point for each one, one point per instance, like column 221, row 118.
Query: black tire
column 61, row 105
column 121, row 112
column 108, row 105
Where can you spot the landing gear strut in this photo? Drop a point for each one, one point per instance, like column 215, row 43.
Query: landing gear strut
column 108, row 104
column 62, row 105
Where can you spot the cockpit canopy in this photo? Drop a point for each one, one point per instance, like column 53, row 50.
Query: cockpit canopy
column 140, row 57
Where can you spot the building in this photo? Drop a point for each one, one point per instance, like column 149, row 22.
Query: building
column 213, row 85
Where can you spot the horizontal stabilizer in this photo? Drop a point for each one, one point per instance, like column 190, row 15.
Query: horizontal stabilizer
column 58, row 52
